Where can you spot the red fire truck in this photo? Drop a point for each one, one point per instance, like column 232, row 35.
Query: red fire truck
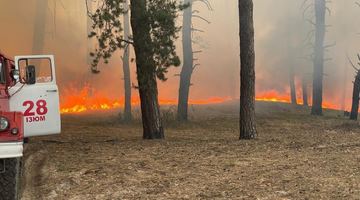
column 29, row 106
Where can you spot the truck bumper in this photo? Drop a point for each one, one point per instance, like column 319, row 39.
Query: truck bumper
column 11, row 149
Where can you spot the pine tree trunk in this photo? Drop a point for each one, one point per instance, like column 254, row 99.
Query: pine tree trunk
column 145, row 69
column 89, row 24
column 39, row 26
column 355, row 98
column 343, row 95
column 292, row 86
column 247, row 72
column 187, row 69
column 320, row 10
column 304, row 92
column 126, row 66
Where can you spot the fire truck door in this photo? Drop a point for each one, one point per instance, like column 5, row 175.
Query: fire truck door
column 36, row 95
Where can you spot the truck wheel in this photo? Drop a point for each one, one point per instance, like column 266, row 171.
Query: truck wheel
column 10, row 178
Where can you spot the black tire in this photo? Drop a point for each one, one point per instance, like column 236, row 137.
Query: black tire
column 10, row 178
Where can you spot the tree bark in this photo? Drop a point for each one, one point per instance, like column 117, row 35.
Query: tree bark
column 39, row 26
column 355, row 98
column 10, row 178
column 89, row 23
column 320, row 10
column 126, row 66
column 305, row 91
column 145, row 69
column 247, row 72
column 292, row 86
column 343, row 95
column 188, row 62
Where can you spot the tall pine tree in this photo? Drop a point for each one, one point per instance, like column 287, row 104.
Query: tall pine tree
column 247, row 72
column 154, row 33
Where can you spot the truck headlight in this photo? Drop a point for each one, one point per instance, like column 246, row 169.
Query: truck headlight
column 4, row 123
column 15, row 131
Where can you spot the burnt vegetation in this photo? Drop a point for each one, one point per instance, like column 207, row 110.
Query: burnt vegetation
column 190, row 61
column 315, row 13
column 356, row 92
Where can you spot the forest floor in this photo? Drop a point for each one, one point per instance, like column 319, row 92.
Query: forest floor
column 296, row 156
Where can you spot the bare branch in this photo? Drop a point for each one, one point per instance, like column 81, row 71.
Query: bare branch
column 206, row 2
column 352, row 64
column 203, row 19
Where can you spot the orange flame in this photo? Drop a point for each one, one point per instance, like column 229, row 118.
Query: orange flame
column 87, row 99
column 274, row 96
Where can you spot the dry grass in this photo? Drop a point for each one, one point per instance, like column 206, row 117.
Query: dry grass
column 297, row 156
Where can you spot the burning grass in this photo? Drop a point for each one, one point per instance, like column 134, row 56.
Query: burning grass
column 87, row 99
column 275, row 96
column 297, row 156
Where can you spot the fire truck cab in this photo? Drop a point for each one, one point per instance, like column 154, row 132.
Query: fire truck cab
column 29, row 101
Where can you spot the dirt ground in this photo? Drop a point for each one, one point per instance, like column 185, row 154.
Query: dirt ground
column 296, row 156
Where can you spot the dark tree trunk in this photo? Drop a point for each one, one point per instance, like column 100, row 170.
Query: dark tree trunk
column 320, row 10
column 90, row 47
column 343, row 95
column 39, row 26
column 126, row 66
column 304, row 91
column 89, row 25
column 145, row 69
column 10, row 178
column 292, row 86
column 247, row 72
column 188, row 62
column 355, row 98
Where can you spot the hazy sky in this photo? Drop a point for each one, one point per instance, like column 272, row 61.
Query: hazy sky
column 280, row 33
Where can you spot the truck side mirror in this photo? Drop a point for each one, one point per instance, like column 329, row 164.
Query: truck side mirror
column 2, row 74
column 15, row 74
column 30, row 75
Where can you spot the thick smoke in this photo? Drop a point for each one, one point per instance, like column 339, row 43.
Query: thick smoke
column 280, row 33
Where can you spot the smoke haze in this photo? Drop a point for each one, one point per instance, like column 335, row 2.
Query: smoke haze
column 280, row 33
